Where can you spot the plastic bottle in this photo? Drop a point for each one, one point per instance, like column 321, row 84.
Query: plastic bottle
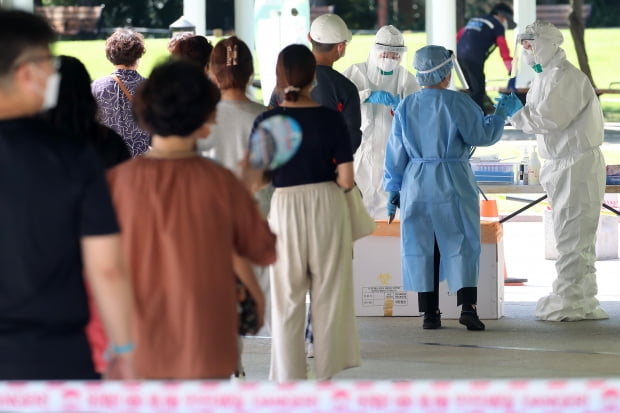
column 533, row 168
column 522, row 180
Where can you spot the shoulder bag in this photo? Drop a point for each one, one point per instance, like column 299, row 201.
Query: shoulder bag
column 123, row 87
column 362, row 224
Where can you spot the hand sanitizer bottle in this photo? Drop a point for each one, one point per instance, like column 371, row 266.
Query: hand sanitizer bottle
column 533, row 168
column 523, row 178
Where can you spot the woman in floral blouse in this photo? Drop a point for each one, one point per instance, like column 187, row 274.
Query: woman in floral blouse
column 114, row 93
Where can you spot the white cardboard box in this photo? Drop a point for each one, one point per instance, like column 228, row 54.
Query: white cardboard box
column 377, row 276
column 377, row 279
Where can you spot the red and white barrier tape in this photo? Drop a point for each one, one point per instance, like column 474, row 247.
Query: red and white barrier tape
column 497, row 396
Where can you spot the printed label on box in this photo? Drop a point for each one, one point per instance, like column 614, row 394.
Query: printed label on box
column 376, row 296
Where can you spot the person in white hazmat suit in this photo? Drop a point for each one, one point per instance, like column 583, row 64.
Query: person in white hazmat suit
column 563, row 111
column 427, row 174
column 382, row 82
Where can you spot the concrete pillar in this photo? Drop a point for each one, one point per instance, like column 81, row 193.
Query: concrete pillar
column 525, row 13
column 441, row 25
column 277, row 23
column 244, row 21
column 27, row 5
column 196, row 12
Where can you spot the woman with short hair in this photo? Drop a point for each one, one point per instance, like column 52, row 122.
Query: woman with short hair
column 114, row 93
column 182, row 217
column 194, row 48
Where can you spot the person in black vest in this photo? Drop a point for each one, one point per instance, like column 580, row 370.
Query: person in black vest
column 476, row 41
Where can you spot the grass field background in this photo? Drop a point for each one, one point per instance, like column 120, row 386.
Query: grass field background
column 601, row 47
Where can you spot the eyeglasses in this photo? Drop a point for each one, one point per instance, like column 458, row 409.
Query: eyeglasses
column 54, row 61
column 389, row 55
column 527, row 44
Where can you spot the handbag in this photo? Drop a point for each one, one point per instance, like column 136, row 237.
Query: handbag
column 248, row 318
column 362, row 224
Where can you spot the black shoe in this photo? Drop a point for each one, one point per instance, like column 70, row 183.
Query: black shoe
column 432, row 320
column 470, row 320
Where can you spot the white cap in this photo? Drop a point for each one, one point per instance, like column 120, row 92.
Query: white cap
column 330, row 29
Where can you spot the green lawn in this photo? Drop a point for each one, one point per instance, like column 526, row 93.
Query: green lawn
column 601, row 47
column 600, row 44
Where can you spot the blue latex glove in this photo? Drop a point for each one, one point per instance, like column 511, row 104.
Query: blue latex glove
column 507, row 105
column 382, row 97
column 396, row 102
column 393, row 202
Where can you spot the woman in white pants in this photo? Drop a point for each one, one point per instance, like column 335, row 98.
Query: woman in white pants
column 311, row 220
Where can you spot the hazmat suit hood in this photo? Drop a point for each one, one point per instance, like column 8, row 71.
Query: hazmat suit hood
column 386, row 55
column 545, row 40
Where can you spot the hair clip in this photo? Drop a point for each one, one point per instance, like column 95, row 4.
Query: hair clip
column 289, row 89
column 231, row 55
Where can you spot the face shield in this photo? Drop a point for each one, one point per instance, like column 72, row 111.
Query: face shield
column 383, row 61
column 538, row 44
column 387, row 52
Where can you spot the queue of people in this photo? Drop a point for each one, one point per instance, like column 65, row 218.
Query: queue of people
column 163, row 238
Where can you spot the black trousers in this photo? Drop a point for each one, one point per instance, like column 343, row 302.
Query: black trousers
column 474, row 74
column 43, row 354
column 429, row 301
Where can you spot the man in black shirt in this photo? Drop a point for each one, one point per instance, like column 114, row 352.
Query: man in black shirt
column 329, row 36
column 56, row 221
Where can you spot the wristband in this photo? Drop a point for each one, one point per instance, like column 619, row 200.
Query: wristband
column 125, row 348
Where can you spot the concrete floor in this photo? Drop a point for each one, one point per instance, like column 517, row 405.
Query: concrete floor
column 516, row 346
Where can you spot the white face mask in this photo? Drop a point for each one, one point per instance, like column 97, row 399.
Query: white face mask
column 528, row 56
column 52, row 87
column 387, row 65
column 505, row 24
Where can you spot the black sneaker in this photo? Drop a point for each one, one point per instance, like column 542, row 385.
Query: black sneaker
column 470, row 320
column 432, row 320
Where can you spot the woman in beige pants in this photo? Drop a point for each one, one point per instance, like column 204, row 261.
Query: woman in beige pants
column 311, row 220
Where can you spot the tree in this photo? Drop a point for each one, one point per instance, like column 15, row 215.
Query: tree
column 461, row 6
column 359, row 14
column 138, row 13
column 577, row 31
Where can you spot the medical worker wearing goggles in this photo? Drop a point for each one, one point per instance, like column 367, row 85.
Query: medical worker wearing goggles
column 427, row 170
column 563, row 111
column 382, row 82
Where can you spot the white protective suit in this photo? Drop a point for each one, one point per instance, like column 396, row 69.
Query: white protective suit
column 377, row 118
column 563, row 111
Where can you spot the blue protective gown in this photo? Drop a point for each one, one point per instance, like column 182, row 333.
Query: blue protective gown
column 427, row 160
